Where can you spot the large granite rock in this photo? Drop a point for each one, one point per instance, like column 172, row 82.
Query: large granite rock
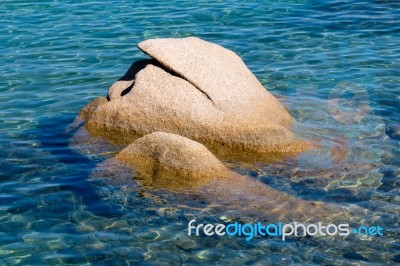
column 195, row 89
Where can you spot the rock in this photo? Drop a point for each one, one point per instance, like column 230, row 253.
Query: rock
column 195, row 89
column 170, row 161
column 124, row 84
column 221, row 76
column 252, row 198
column 393, row 131
column 91, row 107
column 170, row 111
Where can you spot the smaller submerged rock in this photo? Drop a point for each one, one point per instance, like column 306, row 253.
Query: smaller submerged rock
column 171, row 161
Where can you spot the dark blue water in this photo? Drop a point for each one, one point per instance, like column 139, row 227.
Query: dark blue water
column 58, row 55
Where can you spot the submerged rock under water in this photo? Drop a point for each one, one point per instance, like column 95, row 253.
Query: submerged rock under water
column 168, row 161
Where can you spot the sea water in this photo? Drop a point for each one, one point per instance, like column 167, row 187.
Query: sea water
column 334, row 64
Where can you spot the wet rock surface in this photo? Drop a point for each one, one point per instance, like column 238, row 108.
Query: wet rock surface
column 168, row 161
column 198, row 90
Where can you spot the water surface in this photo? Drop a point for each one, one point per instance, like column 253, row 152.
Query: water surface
column 56, row 56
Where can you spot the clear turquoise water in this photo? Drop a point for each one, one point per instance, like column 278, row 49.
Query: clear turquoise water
column 58, row 55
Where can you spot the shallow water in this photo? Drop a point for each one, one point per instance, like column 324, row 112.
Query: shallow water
column 57, row 56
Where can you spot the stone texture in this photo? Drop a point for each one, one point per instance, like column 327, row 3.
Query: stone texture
column 88, row 110
column 221, row 75
column 198, row 90
column 169, row 161
column 122, row 86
